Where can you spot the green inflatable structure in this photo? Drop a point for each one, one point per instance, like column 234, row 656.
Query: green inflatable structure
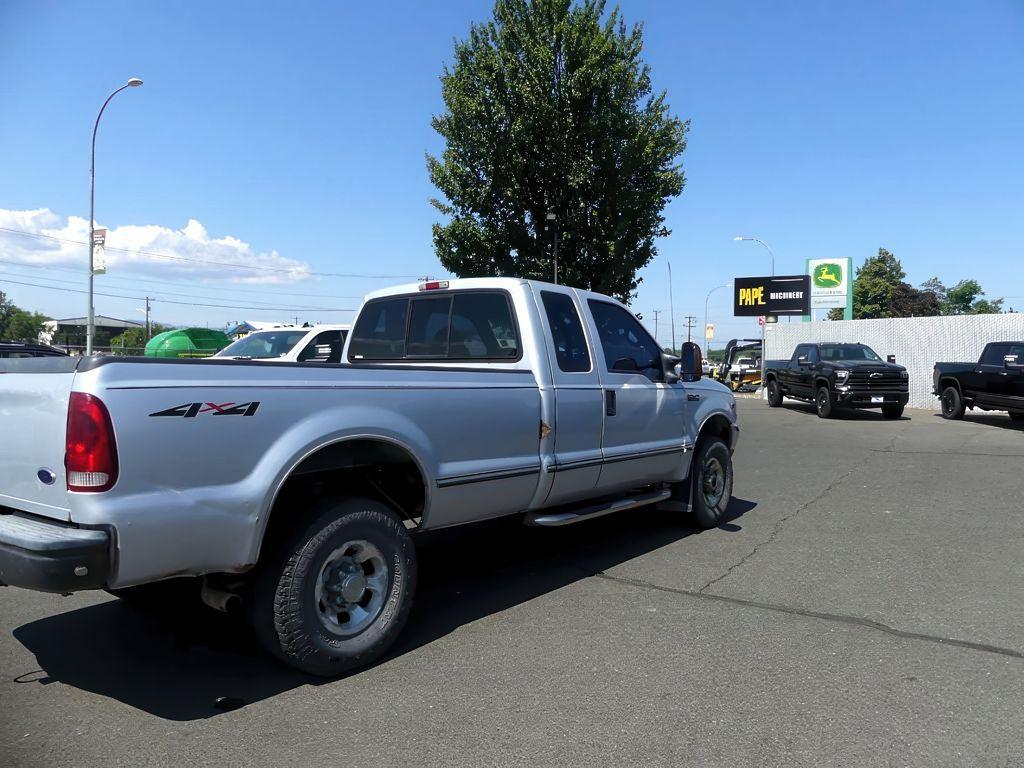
column 187, row 342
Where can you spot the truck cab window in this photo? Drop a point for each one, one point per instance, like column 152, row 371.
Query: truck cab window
column 428, row 327
column 482, row 327
column 566, row 332
column 994, row 354
column 628, row 348
column 379, row 333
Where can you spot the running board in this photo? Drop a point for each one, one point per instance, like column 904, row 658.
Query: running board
column 551, row 520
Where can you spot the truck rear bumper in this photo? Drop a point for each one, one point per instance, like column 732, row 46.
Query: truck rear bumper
column 49, row 557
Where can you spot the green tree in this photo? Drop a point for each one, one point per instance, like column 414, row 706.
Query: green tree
column 550, row 110
column 134, row 339
column 908, row 301
column 23, row 326
column 874, row 286
column 7, row 309
column 964, row 298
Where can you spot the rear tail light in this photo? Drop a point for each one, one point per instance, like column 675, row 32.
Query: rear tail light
column 90, row 455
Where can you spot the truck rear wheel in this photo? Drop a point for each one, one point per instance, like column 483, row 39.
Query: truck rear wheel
column 774, row 394
column 952, row 403
column 339, row 591
column 823, row 403
column 712, row 482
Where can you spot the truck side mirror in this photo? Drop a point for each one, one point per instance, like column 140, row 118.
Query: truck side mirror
column 690, row 359
column 803, row 360
column 670, row 368
column 1012, row 361
column 890, row 358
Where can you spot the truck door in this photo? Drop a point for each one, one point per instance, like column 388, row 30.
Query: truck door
column 644, row 418
column 579, row 399
column 987, row 383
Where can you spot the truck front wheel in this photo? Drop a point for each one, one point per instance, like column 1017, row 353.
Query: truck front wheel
column 338, row 593
column 952, row 403
column 712, row 482
column 823, row 403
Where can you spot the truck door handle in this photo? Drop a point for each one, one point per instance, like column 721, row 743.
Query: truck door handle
column 692, row 396
column 609, row 402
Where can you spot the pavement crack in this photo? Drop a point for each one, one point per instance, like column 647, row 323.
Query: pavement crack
column 819, row 615
column 777, row 528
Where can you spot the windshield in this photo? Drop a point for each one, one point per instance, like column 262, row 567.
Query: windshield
column 263, row 344
column 848, row 352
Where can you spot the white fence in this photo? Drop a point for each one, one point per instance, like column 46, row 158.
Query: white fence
column 917, row 342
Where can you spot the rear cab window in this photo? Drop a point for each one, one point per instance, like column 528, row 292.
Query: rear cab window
column 567, row 337
column 458, row 326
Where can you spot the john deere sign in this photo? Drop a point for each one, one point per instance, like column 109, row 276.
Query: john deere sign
column 830, row 283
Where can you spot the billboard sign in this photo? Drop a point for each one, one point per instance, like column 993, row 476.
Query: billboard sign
column 830, row 282
column 709, row 331
column 778, row 295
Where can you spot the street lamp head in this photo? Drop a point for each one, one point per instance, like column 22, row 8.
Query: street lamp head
column 740, row 237
column 135, row 82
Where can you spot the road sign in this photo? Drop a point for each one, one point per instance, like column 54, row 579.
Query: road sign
column 709, row 331
column 779, row 295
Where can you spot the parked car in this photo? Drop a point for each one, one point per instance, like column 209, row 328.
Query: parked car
column 838, row 376
column 994, row 383
column 290, row 344
column 298, row 490
column 9, row 349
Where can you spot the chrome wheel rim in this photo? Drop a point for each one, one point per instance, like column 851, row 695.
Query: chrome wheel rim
column 822, row 401
column 713, row 481
column 351, row 588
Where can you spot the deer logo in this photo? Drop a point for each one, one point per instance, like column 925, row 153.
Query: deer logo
column 828, row 275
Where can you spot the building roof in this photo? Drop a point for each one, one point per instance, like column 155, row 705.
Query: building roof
column 100, row 321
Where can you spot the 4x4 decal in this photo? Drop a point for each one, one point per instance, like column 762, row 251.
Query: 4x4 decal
column 191, row 410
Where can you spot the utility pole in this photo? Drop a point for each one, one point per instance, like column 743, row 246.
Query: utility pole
column 671, row 308
column 656, row 313
column 690, row 322
column 551, row 221
column 147, row 319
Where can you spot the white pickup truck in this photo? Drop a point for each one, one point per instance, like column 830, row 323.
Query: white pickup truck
column 289, row 344
column 296, row 491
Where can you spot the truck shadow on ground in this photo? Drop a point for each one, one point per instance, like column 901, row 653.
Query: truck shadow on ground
column 992, row 419
column 839, row 414
column 186, row 662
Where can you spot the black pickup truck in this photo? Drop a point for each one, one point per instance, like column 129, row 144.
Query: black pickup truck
column 994, row 383
column 838, row 376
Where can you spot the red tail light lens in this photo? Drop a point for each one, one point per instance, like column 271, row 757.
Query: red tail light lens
column 90, row 455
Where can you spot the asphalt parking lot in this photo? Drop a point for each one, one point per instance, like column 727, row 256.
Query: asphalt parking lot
column 864, row 605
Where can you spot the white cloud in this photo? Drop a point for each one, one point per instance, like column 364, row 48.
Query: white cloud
column 193, row 252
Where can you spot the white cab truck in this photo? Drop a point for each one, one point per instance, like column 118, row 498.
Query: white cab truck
column 289, row 344
column 296, row 491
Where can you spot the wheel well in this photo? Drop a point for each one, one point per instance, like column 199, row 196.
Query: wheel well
column 948, row 382
column 717, row 426
column 819, row 382
column 367, row 468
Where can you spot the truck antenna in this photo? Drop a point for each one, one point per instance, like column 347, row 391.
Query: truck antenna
column 671, row 308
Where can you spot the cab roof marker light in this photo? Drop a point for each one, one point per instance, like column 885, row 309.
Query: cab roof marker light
column 434, row 285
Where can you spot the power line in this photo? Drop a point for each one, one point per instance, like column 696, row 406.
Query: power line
column 137, row 280
column 153, row 254
column 182, row 303
column 158, row 291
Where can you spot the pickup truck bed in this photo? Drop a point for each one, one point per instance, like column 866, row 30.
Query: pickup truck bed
column 454, row 403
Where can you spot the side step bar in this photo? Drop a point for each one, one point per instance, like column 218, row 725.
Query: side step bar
column 554, row 519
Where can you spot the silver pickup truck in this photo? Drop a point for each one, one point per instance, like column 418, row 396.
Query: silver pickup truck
column 296, row 491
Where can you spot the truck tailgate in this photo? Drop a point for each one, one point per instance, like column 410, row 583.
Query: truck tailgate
column 34, row 396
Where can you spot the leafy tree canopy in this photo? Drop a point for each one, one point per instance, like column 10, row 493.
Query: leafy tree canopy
column 134, row 339
column 17, row 324
column 550, row 110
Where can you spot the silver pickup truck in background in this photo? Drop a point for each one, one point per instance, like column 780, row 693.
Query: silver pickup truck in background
column 297, row 490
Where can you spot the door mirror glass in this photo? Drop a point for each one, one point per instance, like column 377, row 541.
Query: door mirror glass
column 690, row 362
column 803, row 360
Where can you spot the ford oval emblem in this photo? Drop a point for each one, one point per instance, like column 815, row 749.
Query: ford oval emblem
column 46, row 476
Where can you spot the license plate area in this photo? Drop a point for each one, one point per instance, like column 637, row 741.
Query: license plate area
column 877, row 399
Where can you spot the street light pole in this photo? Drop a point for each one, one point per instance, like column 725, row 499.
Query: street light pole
column 764, row 320
column 90, row 329
column 551, row 220
column 706, row 300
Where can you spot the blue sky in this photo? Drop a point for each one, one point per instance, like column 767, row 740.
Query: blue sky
column 295, row 133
